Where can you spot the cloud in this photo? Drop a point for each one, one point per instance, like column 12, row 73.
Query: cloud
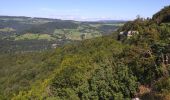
column 77, row 17
column 52, row 10
column 72, row 14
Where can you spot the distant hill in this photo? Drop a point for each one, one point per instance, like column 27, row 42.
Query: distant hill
column 22, row 25
column 28, row 24
column 112, row 21
column 34, row 32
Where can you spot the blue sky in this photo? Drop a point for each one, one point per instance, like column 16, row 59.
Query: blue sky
column 82, row 9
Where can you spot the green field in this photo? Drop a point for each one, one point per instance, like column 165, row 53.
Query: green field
column 30, row 36
column 7, row 29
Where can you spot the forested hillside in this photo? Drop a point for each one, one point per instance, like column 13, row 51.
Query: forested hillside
column 163, row 16
column 136, row 64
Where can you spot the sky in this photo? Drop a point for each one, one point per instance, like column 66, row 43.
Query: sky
column 82, row 10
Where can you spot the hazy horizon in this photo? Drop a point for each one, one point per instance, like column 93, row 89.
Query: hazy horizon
column 82, row 10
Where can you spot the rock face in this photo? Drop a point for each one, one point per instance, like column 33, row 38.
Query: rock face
column 127, row 34
column 135, row 99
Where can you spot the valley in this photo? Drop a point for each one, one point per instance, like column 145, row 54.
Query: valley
column 49, row 32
